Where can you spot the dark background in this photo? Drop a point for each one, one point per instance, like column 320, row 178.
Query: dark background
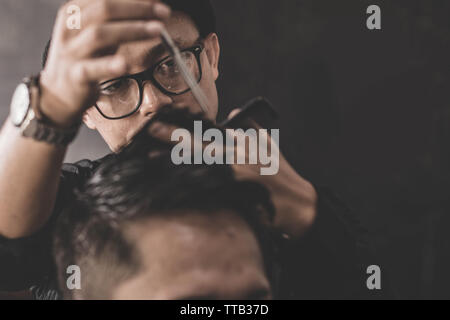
column 365, row 112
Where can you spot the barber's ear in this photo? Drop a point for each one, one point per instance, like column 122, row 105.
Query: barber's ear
column 212, row 48
column 88, row 120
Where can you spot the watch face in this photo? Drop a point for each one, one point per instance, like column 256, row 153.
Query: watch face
column 20, row 104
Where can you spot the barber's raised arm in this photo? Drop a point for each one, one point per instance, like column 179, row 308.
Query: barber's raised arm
column 77, row 61
column 29, row 175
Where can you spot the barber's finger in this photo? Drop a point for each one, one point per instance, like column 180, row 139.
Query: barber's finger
column 95, row 70
column 167, row 133
column 95, row 39
column 233, row 113
column 70, row 10
column 162, row 131
column 113, row 10
column 244, row 122
column 78, row 3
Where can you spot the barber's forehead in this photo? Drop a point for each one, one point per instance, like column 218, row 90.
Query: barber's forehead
column 145, row 53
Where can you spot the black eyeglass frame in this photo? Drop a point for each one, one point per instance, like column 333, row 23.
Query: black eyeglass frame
column 148, row 75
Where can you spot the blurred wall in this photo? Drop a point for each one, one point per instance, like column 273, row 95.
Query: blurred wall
column 365, row 112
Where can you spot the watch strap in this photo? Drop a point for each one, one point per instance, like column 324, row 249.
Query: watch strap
column 40, row 131
column 37, row 126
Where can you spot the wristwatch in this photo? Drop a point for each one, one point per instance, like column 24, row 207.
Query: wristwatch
column 25, row 114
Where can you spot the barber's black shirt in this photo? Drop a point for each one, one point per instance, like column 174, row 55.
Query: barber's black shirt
column 330, row 262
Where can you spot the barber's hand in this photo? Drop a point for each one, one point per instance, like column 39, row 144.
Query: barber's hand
column 79, row 59
column 294, row 198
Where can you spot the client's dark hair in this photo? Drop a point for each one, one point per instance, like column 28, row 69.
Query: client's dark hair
column 200, row 11
column 136, row 183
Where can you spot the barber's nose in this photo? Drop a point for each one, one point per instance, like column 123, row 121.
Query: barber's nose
column 153, row 99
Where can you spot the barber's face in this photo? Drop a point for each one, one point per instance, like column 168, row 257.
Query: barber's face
column 142, row 56
column 193, row 256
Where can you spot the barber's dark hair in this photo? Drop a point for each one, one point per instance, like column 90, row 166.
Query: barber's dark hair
column 200, row 11
column 140, row 181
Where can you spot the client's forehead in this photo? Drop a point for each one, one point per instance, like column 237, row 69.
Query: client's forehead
column 144, row 54
column 194, row 237
column 195, row 252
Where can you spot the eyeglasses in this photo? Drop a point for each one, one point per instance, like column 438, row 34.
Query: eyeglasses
column 122, row 97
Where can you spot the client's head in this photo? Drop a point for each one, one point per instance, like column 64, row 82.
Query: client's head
column 143, row 228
